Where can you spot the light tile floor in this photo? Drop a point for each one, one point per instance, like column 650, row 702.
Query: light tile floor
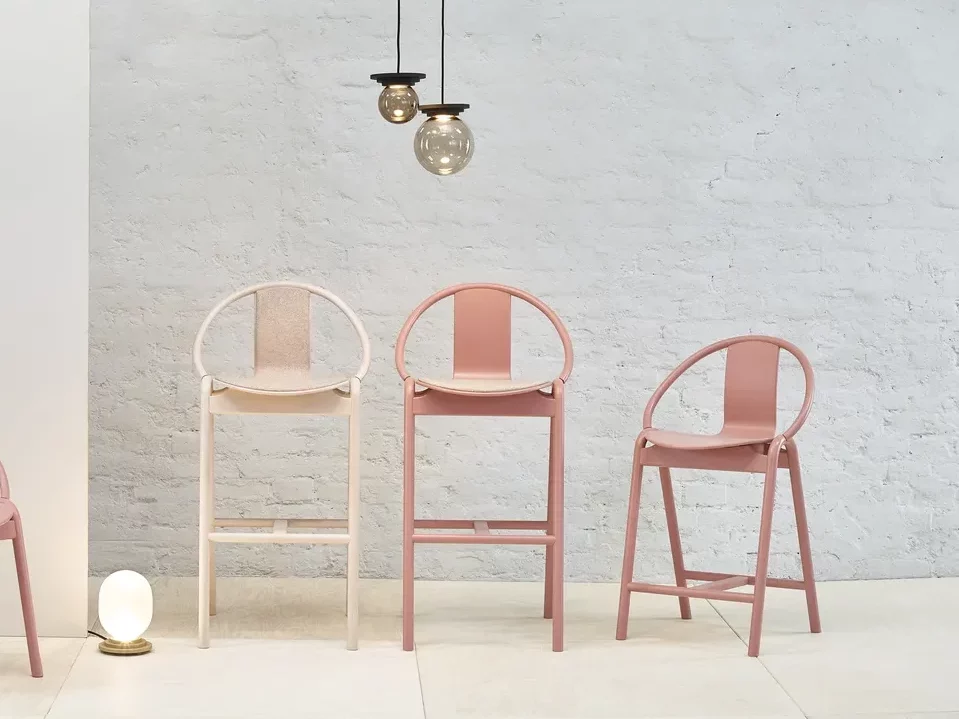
column 888, row 650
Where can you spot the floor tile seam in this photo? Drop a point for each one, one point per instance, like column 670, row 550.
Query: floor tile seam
column 761, row 663
column 66, row 675
column 419, row 678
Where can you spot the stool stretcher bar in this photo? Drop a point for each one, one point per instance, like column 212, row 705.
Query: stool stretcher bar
column 482, row 539
column 291, row 523
column 691, row 592
column 717, row 586
column 530, row 524
column 750, row 579
column 280, row 533
column 481, row 531
column 277, row 538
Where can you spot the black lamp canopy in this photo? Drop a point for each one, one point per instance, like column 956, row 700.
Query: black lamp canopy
column 398, row 78
column 444, row 108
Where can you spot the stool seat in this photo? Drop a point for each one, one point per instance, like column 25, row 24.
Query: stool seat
column 484, row 386
column 274, row 382
column 723, row 439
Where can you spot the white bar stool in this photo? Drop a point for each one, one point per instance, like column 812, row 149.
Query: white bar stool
column 282, row 383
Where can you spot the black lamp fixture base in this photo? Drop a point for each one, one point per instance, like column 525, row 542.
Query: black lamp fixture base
column 444, row 108
column 407, row 79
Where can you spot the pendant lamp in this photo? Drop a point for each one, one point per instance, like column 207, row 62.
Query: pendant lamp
column 398, row 102
column 444, row 143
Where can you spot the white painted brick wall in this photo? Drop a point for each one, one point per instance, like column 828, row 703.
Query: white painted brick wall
column 662, row 174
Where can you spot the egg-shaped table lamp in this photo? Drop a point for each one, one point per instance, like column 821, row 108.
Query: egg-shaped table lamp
column 125, row 608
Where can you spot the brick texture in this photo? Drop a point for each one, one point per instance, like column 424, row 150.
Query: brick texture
column 662, row 174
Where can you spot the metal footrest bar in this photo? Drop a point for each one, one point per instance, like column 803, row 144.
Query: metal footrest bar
column 727, row 583
column 291, row 523
column 483, row 539
column 691, row 592
column 750, row 579
column 481, row 531
column 277, row 538
column 281, row 531
column 529, row 524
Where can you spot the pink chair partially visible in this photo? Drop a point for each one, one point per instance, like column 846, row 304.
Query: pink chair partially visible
column 482, row 385
column 10, row 528
column 747, row 442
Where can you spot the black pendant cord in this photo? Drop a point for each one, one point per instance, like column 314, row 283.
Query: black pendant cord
column 442, row 51
column 398, row 78
column 399, row 15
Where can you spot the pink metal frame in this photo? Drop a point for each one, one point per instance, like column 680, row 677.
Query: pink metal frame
column 481, row 350
column 11, row 528
column 748, row 442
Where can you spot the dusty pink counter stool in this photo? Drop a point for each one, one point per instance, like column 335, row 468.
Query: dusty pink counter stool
column 10, row 528
column 747, row 442
column 482, row 385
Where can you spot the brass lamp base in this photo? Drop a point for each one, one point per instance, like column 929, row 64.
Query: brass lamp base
column 137, row 646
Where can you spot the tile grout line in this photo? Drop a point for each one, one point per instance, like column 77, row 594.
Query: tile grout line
column 66, row 676
column 726, row 622
column 761, row 662
column 419, row 679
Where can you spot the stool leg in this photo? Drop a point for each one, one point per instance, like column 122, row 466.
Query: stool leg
column 212, row 545
column 206, row 463
column 548, row 589
column 762, row 559
column 675, row 544
column 557, row 442
column 629, row 551
column 353, row 522
column 802, row 528
column 26, row 599
column 212, row 578
column 409, row 461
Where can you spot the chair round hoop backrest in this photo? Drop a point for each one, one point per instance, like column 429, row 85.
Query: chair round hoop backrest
column 496, row 354
column 765, row 392
column 313, row 290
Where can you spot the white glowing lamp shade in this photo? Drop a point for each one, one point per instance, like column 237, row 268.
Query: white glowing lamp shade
column 125, row 605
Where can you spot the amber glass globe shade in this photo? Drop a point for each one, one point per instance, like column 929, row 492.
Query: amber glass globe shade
column 398, row 103
column 443, row 144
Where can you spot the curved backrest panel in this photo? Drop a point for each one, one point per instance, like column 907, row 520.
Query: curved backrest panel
column 4, row 486
column 282, row 326
column 482, row 330
column 752, row 376
column 482, row 323
column 281, row 339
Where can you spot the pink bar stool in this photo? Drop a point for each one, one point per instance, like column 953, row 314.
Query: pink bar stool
column 748, row 442
column 11, row 528
column 482, row 386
